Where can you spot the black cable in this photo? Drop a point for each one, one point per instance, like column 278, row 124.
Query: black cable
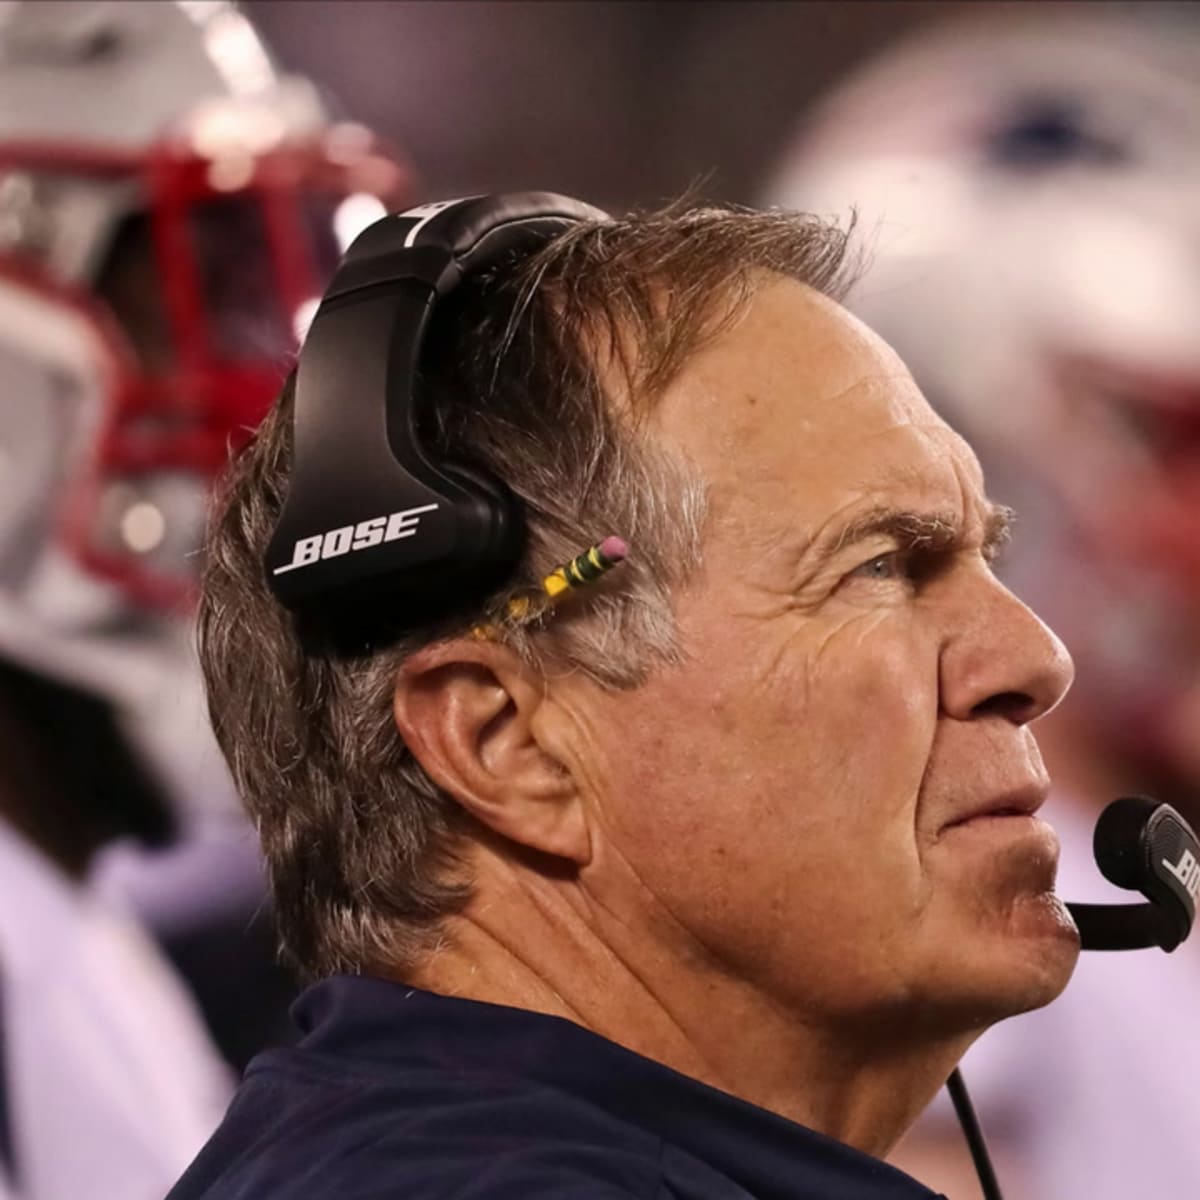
column 8, row 1163
column 974, row 1135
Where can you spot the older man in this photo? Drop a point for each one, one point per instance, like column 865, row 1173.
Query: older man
column 700, row 886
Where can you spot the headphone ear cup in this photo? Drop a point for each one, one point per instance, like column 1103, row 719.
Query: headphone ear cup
column 383, row 523
column 497, row 523
column 475, row 479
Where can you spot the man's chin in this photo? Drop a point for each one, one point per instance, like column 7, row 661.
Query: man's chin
column 1015, row 944
column 1043, row 941
column 1022, row 966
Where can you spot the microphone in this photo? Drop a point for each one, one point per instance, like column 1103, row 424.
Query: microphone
column 1145, row 846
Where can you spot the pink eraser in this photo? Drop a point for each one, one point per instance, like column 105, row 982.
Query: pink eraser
column 615, row 549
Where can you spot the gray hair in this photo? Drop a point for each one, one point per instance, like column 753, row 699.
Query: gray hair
column 543, row 373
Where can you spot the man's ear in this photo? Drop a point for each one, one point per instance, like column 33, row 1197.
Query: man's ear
column 466, row 708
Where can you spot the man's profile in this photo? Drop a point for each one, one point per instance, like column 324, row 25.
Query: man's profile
column 700, row 884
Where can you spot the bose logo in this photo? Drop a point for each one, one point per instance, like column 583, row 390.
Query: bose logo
column 1187, row 871
column 354, row 537
column 423, row 214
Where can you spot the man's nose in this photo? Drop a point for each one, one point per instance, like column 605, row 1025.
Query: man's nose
column 1003, row 660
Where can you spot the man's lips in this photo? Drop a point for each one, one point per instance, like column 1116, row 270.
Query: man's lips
column 1022, row 801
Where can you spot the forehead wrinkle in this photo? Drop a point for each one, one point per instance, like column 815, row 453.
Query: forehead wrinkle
column 868, row 382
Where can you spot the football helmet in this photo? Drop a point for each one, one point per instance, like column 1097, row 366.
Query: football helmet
column 170, row 208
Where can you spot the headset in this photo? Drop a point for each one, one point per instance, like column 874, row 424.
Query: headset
column 371, row 513
column 372, row 518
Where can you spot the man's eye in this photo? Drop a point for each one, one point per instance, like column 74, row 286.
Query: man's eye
column 881, row 567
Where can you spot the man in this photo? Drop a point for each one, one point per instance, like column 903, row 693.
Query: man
column 702, row 886
column 1028, row 180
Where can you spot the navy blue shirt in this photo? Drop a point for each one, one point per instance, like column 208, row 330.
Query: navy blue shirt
column 398, row 1094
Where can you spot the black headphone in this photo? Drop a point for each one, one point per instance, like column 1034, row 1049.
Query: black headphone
column 371, row 515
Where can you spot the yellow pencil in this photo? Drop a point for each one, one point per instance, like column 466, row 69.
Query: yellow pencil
column 580, row 571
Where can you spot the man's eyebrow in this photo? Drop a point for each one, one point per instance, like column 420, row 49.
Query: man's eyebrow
column 932, row 531
column 997, row 530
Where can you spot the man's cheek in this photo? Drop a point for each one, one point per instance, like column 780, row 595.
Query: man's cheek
column 878, row 686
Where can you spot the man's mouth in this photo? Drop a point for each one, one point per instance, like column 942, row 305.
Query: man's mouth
column 1019, row 804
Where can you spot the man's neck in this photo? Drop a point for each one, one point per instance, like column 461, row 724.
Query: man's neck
column 539, row 943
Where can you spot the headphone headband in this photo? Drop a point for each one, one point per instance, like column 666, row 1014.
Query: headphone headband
column 442, row 242
column 371, row 513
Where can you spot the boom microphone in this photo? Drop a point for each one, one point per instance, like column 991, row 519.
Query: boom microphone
column 1146, row 846
column 1142, row 845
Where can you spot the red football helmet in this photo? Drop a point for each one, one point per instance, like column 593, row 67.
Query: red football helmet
column 170, row 208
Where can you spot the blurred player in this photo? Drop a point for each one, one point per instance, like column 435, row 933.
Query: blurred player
column 1028, row 196
column 169, row 208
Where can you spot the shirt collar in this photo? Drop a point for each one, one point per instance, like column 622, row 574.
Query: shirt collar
column 371, row 1020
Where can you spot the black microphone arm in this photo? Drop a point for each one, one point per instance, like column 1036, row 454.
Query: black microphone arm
column 1144, row 846
column 1120, row 926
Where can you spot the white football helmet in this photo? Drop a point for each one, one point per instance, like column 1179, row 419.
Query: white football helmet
column 170, row 207
column 1027, row 187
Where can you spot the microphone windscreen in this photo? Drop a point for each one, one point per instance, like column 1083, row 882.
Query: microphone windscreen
column 1119, row 842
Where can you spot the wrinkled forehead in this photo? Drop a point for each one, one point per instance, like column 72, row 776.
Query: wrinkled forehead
column 800, row 408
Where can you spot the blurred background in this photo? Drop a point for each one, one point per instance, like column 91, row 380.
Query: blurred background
column 624, row 103
column 176, row 181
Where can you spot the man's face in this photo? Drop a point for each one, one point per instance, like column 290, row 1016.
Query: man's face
column 830, row 797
